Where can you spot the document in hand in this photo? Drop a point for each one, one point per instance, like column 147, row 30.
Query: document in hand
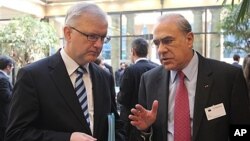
column 111, row 122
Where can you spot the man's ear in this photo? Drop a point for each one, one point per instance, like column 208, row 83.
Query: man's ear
column 132, row 51
column 190, row 39
column 67, row 33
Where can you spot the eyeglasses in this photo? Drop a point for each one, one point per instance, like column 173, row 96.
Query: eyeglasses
column 165, row 41
column 93, row 37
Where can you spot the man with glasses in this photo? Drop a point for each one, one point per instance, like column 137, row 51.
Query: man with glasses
column 6, row 67
column 67, row 97
column 188, row 98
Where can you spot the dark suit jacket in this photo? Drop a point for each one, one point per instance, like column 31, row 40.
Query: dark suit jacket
column 217, row 83
column 128, row 95
column 110, row 68
column 5, row 97
column 46, row 108
column 236, row 64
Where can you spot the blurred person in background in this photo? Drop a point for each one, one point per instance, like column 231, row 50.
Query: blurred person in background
column 129, row 87
column 119, row 73
column 99, row 61
column 6, row 67
column 236, row 62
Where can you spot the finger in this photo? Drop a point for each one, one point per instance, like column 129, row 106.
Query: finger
column 89, row 137
column 155, row 107
column 133, row 117
column 135, row 112
column 137, row 124
column 140, row 108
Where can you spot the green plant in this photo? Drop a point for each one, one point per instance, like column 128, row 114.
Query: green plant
column 243, row 9
column 24, row 38
column 237, row 36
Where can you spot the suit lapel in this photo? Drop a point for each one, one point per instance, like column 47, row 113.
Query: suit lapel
column 203, row 87
column 161, row 87
column 61, row 79
column 98, row 97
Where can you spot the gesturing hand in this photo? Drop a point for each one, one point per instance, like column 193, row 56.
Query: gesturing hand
column 142, row 118
column 78, row 136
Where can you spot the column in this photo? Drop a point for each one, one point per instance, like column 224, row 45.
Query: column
column 115, row 42
column 215, row 38
column 130, row 31
column 197, row 28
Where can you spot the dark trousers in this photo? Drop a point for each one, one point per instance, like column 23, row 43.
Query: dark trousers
column 132, row 134
column 2, row 131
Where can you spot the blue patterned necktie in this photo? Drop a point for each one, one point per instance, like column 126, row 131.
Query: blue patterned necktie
column 81, row 92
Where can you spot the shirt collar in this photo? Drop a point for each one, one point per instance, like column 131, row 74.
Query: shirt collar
column 139, row 59
column 70, row 64
column 4, row 73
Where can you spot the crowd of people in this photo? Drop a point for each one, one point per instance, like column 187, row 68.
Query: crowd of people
column 69, row 95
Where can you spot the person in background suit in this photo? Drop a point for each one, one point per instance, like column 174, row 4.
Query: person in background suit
column 209, row 84
column 99, row 61
column 119, row 73
column 45, row 106
column 236, row 59
column 6, row 67
column 109, row 67
column 128, row 95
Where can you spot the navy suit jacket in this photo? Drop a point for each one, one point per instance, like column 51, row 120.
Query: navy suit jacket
column 128, row 95
column 5, row 97
column 46, row 108
column 217, row 82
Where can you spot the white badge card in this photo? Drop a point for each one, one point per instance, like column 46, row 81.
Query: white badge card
column 215, row 111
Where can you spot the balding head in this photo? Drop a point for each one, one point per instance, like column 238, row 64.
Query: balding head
column 81, row 9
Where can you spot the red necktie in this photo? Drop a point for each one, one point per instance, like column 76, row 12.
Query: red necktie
column 182, row 129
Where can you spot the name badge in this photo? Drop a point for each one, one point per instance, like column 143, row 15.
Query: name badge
column 215, row 111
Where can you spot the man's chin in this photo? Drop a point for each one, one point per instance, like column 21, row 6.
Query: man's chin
column 168, row 66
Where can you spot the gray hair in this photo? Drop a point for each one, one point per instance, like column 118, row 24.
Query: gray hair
column 83, row 8
column 180, row 20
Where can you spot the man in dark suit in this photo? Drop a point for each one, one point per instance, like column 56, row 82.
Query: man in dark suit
column 128, row 95
column 45, row 106
column 6, row 66
column 236, row 59
column 119, row 73
column 216, row 92
column 109, row 67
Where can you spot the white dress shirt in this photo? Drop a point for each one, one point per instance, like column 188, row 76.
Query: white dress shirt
column 71, row 66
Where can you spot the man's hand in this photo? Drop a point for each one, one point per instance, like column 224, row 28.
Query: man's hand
column 141, row 118
column 78, row 136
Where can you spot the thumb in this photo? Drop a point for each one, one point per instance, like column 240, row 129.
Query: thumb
column 155, row 107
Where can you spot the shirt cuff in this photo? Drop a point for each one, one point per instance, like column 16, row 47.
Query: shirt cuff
column 147, row 135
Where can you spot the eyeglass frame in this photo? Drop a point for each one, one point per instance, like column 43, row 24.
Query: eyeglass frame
column 93, row 37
